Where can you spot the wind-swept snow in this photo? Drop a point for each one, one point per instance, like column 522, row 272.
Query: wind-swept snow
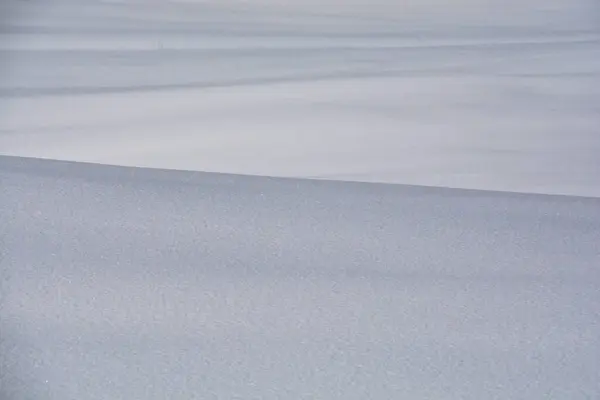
column 475, row 94
column 136, row 283
column 152, row 284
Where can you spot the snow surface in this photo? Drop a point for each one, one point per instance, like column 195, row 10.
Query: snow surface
column 151, row 284
column 501, row 95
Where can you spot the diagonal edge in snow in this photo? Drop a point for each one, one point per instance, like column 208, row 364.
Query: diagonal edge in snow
column 99, row 171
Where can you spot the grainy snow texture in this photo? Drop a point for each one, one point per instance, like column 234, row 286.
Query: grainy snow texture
column 493, row 94
column 151, row 284
column 137, row 283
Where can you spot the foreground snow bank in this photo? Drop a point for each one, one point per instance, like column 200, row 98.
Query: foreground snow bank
column 153, row 284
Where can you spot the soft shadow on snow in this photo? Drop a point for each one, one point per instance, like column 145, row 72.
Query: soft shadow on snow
column 141, row 283
column 138, row 283
column 484, row 95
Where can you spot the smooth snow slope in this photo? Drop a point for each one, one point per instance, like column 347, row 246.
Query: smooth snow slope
column 124, row 283
column 466, row 93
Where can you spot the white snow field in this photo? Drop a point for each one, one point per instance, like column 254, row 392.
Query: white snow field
column 129, row 283
column 194, row 279
column 493, row 94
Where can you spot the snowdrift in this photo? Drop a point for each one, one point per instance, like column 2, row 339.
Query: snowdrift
column 151, row 284
column 472, row 94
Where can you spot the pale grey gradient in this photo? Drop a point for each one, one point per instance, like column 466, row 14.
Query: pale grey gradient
column 473, row 94
column 138, row 283
column 152, row 284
